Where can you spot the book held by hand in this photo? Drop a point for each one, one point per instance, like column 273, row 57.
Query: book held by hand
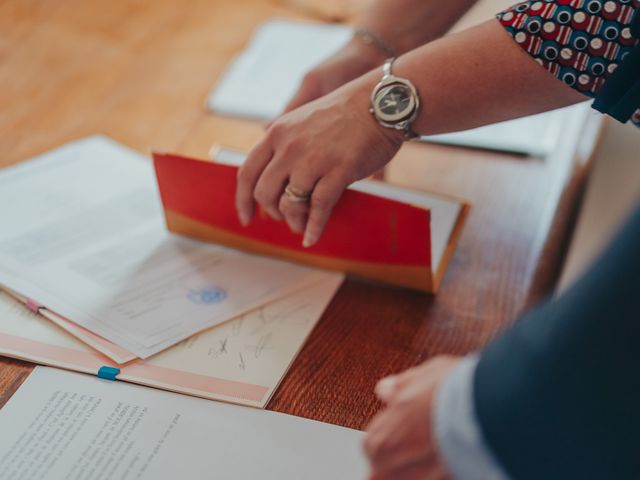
column 377, row 230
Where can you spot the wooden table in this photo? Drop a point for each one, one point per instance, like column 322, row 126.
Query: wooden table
column 139, row 72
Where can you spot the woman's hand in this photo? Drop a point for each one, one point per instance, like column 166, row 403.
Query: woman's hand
column 400, row 442
column 351, row 61
column 316, row 150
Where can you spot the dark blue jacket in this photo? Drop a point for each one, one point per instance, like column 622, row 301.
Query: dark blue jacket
column 558, row 395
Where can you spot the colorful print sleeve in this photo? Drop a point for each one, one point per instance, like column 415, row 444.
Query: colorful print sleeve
column 580, row 42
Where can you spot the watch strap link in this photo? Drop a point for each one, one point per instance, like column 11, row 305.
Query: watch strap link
column 386, row 67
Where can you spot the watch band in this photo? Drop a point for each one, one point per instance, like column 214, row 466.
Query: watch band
column 386, row 67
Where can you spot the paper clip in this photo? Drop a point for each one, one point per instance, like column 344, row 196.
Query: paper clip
column 108, row 373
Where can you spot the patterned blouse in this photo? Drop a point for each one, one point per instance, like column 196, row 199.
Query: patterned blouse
column 581, row 42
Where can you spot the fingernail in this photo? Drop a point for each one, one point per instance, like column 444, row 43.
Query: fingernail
column 309, row 240
column 244, row 219
column 385, row 387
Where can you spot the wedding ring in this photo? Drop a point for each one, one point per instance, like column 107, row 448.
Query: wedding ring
column 296, row 195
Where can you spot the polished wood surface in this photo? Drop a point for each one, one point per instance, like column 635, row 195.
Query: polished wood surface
column 139, row 72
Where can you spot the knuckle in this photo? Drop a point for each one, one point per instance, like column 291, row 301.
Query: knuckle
column 243, row 175
column 291, row 208
column 276, row 130
column 261, row 194
column 368, row 445
column 321, row 202
column 372, row 446
column 311, row 78
column 291, row 147
column 286, row 208
column 347, row 177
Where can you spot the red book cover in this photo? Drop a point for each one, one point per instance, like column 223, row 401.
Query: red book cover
column 367, row 235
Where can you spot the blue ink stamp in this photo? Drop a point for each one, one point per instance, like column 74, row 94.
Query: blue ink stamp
column 207, row 296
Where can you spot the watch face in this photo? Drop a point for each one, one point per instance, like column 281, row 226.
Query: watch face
column 394, row 103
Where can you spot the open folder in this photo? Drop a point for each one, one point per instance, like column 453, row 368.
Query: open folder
column 377, row 230
column 241, row 361
column 88, row 245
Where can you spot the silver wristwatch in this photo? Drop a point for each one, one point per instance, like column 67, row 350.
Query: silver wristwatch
column 395, row 102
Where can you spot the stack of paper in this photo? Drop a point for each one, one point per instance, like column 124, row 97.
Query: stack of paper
column 262, row 79
column 84, row 244
column 92, row 281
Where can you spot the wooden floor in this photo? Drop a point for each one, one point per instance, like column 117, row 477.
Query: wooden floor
column 139, row 71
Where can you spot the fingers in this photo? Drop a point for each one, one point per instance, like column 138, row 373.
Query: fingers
column 264, row 177
column 391, row 445
column 401, row 435
column 422, row 470
column 297, row 213
column 248, row 176
column 388, row 388
column 324, row 197
column 270, row 186
column 310, row 218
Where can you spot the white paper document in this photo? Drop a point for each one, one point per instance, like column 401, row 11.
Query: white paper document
column 262, row 79
column 69, row 426
column 82, row 232
column 260, row 82
column 535, row 135
column 241, row 361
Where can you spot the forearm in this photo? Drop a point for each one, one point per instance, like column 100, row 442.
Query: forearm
column 407, row 24
column 462, row 84
column 388, row 29
column 477, row 77
column 471, row 78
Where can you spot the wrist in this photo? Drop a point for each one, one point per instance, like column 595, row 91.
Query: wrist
column 395, row 102
column 358, row 106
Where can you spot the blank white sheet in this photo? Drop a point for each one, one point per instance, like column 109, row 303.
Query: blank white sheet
column 261, row 80
column 535, row 135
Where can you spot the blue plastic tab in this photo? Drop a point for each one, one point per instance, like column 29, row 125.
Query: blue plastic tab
column 108, row 373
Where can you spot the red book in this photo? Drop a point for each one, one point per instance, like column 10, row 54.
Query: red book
column 370, row 233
